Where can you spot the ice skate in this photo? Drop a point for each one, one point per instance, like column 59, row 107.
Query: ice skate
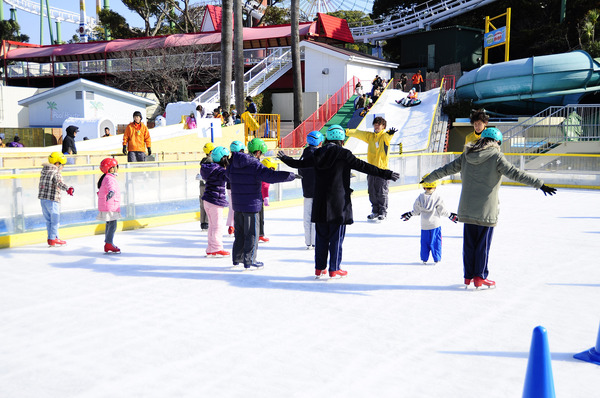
column 204, row 226
column 253, row 267
column 219, row 254
column 372, row 217
column 56, row 242
column 110, row 248
column 263, row 239
column 478, row 282
column 338, row 274
column 320, row 273
column 381, row 217
column 230, row 230
column 467, row 283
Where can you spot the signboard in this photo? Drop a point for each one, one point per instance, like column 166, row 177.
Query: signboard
column 495, row 37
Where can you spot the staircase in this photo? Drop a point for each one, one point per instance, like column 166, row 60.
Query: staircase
column 257, row 79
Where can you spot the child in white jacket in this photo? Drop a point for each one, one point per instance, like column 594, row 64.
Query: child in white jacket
column 430, row 206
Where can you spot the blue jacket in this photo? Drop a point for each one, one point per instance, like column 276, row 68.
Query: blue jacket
column 246, row 173
column 214, row 191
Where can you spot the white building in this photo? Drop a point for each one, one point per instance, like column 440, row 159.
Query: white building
column 86, row 100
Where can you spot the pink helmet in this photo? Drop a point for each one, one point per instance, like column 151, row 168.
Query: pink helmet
column 107, row 163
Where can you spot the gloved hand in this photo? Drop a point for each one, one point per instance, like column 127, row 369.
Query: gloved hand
column 392, row 131
column 406, row 216
column 70, row 191
column 421, row 182
column 453, row 217
column 109, row 195
column 548, row 190
column 281, row 155
column 297, row 176
column 149, row 151
column 395, row 176
column 124, row 149
column 198, row 177
column 266, row 201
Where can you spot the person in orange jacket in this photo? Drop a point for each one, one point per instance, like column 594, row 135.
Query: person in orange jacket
column 136, row 139
column 417, row 81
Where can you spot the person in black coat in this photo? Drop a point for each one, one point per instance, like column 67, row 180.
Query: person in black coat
column 68, row 145
column 314, row 139
column 332, row 206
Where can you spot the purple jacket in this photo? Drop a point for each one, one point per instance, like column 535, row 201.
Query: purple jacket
column 214, row 191
column 246, row 174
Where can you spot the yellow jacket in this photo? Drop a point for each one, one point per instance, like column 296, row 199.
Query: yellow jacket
column 379, row 146
column 472, row 137
column 135, row 136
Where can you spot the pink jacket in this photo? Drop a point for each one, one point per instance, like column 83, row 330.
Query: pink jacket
column 264, row 187
column 109, row 183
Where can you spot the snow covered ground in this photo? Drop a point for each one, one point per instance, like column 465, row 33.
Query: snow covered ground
column 161, row 320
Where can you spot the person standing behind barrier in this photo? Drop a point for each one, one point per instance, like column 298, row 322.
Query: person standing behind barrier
column 215, row 200
column 68, row 145
column 314, row 139
column 16, row 142
column 481, row 167
column 136, row 140
column 208, row 148
column 51, row 183
column 417, row 81
column 109, row 202
column 106, row 132
column 377, row 154
column 479, row 119
column 251, row 107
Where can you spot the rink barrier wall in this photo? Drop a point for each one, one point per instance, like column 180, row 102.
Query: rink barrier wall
column 163, row 193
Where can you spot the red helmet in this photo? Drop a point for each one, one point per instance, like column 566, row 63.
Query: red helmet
column 107, row 163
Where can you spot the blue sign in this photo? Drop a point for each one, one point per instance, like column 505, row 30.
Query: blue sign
column 494, row 37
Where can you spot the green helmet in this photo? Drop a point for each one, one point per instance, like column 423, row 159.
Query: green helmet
column 256, row 144
column 336, row 133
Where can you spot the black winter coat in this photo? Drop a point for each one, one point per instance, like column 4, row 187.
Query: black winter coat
column 332, row 163
column 307, row 173
column 69, row 141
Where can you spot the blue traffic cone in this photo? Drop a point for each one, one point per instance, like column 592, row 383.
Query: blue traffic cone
column 539, row 382
column 593, row 354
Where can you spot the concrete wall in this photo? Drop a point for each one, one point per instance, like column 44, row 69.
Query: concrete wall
column 12, row 115
column 367, row 73
column 283, row 104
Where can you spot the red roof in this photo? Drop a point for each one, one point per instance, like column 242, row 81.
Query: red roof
column 215, row 14
column 334, row 28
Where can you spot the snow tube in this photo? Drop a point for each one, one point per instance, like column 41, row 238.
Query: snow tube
column 406, row 102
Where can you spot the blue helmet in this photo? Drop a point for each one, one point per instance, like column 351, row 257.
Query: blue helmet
column 336, row 133
column 493, row 133
column 314, row 138
column 237, row 146
column 219, row 153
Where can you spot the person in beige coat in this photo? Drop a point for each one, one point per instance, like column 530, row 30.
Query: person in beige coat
column 482, row 166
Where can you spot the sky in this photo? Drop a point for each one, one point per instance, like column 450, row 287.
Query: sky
column 162, row 320
column 30, row 23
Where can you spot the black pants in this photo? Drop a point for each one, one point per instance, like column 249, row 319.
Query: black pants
column 245, row 244
column 378, row 194
column 136, row 156
column 329, row 240
column 476, row 250
column 203, row 216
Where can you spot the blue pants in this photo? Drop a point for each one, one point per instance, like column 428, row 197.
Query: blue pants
column 431, row 241
column 51, row 211
column 476, row 250
column 109, row 231
column 245, row 244
column 329, row 240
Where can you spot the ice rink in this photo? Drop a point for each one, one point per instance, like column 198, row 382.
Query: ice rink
column 161, row 320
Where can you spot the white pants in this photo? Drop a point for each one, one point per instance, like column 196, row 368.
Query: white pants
column 309, row 227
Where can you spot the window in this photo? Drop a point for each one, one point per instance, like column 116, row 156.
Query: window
column 89, row 95
column 78, row 95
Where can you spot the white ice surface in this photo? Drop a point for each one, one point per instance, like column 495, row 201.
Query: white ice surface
column 161, row 320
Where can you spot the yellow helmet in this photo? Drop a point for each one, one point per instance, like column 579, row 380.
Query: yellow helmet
column 57, row 157
column 208, row 147
column 429, row 184
column 269, row 163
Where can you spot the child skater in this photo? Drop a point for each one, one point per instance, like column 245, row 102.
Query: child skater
column 109, row 202
column 332, row 206
column 482, row 166
column 208, row 148
column 267, row 162
column 236, row 146
column 314, row 139
column 214, row 200
column 430, row 206
column 245, row 172
column 51, row 183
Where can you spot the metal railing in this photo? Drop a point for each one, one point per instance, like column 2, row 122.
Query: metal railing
column 316, row 121
column 552, row 127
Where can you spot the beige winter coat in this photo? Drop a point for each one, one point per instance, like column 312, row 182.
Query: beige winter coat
column 481, row 173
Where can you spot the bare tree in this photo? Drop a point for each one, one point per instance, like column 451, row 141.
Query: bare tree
column 296, row 66
column 166, row 72
column 238, row 65
column 226, row 55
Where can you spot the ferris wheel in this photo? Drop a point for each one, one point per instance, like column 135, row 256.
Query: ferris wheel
column 310, row 8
